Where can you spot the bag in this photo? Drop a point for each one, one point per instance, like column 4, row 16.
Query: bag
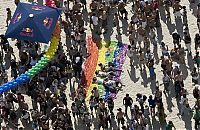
column 196, row 116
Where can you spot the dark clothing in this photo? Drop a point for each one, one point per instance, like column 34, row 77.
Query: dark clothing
column 152, row 103
column 127, row 101
column 196, row 93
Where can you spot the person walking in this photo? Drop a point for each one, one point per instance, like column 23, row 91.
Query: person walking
column 127, row 101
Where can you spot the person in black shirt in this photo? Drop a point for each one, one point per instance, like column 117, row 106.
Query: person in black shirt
column 197, row 41
column 187, row 40
column 4, row 42
column 13, row 68
column 176, row 38
column 127, row 101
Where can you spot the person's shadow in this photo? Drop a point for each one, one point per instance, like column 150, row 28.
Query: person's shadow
column 170, row 26
column 162, row 14
column 184, row 71
column 153, row 85
column 178, row 106
column 7, row 60
column 190, row 62
column 159, row 34
column 179, row 26
column 187, row 119
column 155, row 124
column 157, row 60
column 143, row 74
column 169, row 96
column 124, row 27
column 193, row 8
column 113, row 123
column 132, row 74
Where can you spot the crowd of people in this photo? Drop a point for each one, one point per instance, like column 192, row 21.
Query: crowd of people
column 50, row 106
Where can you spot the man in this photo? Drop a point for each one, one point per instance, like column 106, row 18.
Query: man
column 95, row 22
column 127, row 101
column 197, row 60
column 197, row 41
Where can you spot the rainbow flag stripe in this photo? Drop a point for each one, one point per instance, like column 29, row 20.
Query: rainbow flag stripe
column 114, row 52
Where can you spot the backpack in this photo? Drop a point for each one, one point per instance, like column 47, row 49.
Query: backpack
column 196, row 115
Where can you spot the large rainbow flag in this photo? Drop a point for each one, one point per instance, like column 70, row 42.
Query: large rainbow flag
column 114, row 52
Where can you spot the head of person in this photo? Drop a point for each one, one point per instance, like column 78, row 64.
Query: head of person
column 94, row 79
column 179, row 72
column 7, row 9
column 94, row 14
column 198, row 5
column 157, row 88
column 119, row 109
column 170, row 122
column 162, row 44
column 100, row 64
column 127, row 95
column 197, row 35
column 129, row 47
column 97, row 72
